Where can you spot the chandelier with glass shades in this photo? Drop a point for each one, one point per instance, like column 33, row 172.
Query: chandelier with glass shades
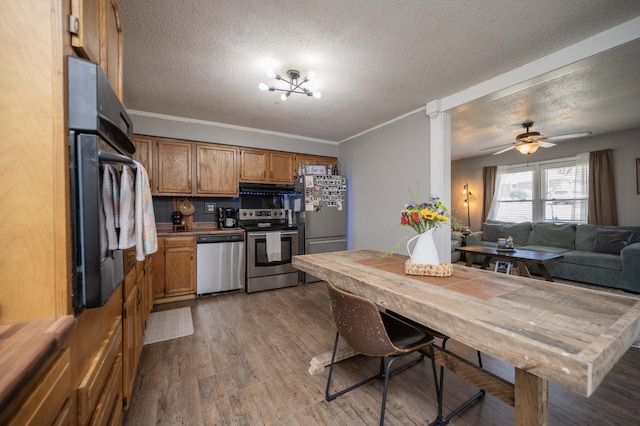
column 294, row 84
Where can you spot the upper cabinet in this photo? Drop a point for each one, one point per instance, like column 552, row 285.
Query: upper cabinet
column 96, row 35
column 185, row 168
column 281, row 167
column 266, row 166
column 85, row 28
column 253, row 165
column 304, row 160
column 144, row 155
column 111, row 49
column 174, row 167
column 216, row 170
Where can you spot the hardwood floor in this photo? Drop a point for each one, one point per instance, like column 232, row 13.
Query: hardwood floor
column 247, row 362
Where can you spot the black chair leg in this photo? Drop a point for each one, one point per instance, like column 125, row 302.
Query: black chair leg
column 384, row 372
column 443, row 420
column 331, row 397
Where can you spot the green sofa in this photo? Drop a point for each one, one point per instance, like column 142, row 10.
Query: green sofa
column 604, row 255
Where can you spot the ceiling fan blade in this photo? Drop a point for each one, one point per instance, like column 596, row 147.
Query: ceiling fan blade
column 544, row 144
column 567, row 136
column 497, row 146
column 504, row 150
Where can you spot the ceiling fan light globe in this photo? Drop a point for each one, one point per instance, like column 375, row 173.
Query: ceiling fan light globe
column 317, row 95
column 263, row 87
column 528, row 148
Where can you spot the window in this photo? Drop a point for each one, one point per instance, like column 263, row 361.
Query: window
column 542, row 192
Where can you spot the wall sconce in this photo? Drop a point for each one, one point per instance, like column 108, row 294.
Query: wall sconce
column 467, row 202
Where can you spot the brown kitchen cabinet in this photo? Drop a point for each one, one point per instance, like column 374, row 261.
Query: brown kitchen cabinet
column 253, row 165
column 85, row 28
column 174, row 267
column 96, row 35
column 111, row 48
column 266, row 166
column 304, row 159
column 144, row 155
column 174, row 167
column 132, row 334
column 136, row 306
column 281, row 167
column 216, row 170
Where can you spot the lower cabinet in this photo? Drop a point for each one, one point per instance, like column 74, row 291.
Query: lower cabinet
column 136, row 307
column 174, row 267
column 49, row 401
column 100, row 391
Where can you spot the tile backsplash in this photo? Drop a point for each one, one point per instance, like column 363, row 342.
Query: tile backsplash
column 163, row 207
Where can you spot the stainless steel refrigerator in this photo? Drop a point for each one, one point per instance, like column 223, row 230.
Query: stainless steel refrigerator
column 321, row 212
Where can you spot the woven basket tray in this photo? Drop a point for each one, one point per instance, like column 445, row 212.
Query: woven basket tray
column 444, row 269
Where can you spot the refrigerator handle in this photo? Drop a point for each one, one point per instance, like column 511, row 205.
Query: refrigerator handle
column 326, row 241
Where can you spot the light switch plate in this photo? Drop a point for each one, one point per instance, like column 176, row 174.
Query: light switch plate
column 209, row 208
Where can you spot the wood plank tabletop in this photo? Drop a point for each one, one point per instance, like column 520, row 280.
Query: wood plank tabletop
column 569, row 335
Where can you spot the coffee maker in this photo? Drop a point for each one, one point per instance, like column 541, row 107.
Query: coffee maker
column 227, row 217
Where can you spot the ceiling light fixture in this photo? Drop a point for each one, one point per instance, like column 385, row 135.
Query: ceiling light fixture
column 294, row 85
column 528, row 147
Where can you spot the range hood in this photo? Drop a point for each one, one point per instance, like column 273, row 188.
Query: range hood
column 265, row 188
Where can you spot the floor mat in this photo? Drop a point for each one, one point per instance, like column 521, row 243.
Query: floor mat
column 167, row 325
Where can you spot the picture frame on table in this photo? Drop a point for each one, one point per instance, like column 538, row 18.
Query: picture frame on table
column 502, row 267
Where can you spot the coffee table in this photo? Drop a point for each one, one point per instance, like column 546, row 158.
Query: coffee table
column 518, row 256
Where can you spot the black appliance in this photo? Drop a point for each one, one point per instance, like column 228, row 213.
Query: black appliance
column 100, row 132
column 227, row 217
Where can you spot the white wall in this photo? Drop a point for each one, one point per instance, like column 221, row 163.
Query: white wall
column 380, row 165
column 626, row 145
column 198, row 130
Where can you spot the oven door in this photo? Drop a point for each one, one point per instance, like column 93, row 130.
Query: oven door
column 258, row 264
column 97, row 272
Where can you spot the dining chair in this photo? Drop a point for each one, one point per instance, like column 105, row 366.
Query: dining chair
column 441, row 419
column 373, row 333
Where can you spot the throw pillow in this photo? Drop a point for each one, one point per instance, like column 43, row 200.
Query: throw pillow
column 611, row 240
column 491, row 232
column 519, row 232
column 553, row 235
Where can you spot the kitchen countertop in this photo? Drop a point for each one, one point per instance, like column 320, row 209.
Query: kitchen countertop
column 198, row 228
column 25, row 347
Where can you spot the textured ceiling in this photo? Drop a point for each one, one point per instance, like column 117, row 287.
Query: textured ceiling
column 374, row 61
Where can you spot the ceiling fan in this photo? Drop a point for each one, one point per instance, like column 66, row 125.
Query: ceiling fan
column 529, row 142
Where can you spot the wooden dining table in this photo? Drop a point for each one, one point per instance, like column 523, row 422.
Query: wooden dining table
column 550, row 332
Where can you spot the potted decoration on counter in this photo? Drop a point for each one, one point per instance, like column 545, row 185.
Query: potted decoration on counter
column 424, row 218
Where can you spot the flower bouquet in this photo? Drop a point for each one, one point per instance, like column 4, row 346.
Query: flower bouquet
column 424, row 218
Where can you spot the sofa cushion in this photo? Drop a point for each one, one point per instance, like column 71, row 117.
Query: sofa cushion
column 611, row 240
column 585, row 234
column 518, row 231
column 491, row 232
column 553, row 234
column 593, row 260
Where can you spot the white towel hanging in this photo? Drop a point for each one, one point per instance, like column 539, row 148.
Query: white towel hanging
column 274, row 247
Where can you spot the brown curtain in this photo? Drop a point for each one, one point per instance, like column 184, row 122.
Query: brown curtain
column 602, row 189
column 489, row 187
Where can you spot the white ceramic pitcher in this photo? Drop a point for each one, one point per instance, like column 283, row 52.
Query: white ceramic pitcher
column 424, row 251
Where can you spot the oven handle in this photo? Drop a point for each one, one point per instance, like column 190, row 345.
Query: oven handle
column 255, row 234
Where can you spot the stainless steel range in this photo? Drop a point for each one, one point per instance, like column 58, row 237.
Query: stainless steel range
column 272, row 241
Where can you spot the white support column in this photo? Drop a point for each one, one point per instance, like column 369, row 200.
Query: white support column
column 440, row 170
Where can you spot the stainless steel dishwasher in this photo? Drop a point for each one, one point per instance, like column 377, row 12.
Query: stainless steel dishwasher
column 220, row 260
